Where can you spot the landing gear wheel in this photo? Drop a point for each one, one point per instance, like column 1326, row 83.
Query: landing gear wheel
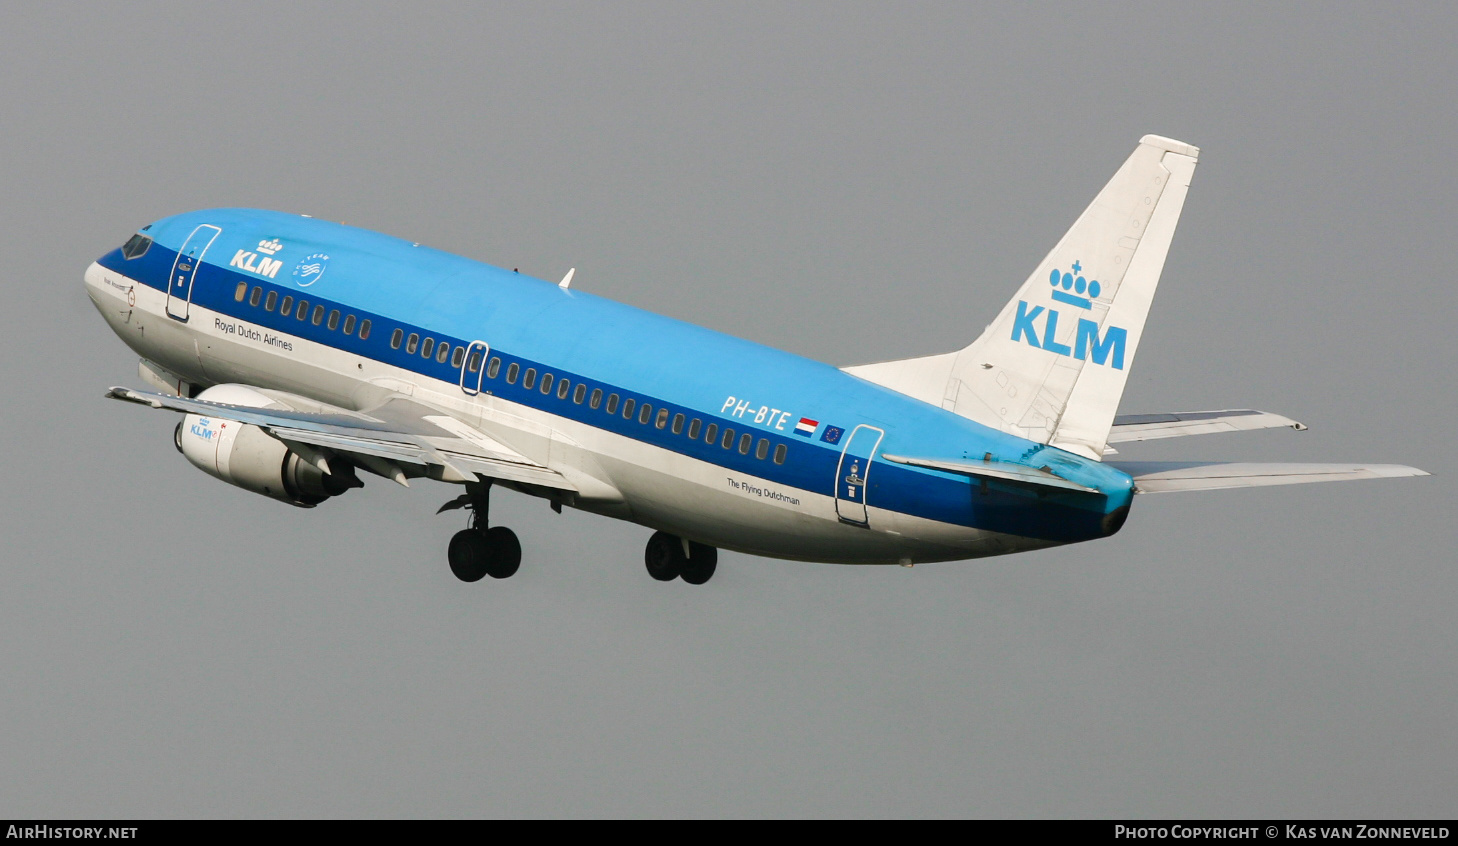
column 469, row 555
column 701, row 563
column 664, row 556
column 505, row 552
column 478, row 551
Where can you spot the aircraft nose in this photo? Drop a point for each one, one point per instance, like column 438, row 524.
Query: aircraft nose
column 94, row 279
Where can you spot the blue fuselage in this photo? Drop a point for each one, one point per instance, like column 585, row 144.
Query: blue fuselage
column 222, row 278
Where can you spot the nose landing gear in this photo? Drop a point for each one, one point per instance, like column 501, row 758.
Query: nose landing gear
column 481, row 551
column 670, row 557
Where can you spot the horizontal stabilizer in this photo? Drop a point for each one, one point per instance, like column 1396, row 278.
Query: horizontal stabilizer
column 999, row 470
column 1149, row 427
column 1166, row 476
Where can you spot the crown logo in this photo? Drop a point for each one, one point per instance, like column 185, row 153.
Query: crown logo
column 270, row 246
column 1070, row 287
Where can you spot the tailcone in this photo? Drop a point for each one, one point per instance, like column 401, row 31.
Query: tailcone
column 1114, row 520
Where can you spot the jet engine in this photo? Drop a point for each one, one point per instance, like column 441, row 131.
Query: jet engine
column 248, row 457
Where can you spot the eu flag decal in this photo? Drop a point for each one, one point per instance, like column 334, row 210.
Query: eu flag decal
column 832, row 434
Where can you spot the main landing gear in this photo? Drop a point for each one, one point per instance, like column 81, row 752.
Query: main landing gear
column 480, row 551
column 670, row 557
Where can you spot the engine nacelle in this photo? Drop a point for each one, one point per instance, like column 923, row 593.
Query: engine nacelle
column 246, row 456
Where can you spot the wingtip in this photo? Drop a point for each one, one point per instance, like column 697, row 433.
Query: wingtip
column 1396, row 471
column 129, row 395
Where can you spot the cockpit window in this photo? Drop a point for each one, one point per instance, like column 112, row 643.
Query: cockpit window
column 136, row 246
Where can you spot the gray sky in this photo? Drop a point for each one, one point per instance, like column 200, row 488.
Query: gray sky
column 850, row 182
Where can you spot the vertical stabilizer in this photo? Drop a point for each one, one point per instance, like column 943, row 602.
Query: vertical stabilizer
column 1053, row 365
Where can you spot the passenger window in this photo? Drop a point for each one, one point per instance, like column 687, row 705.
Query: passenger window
column 412, row 343
column 511, row 372
column 694, row 429
column 270, row 301
column 349, row 325
column 287, row 308
column 662, row 418
column 303, row 309
column 136, row 246
column 780, row 451
column 494, row 368
column 612, row 406
column 475, row 364
column 427, row 348
column 546, row 383
column 728, row 439
column 628, row 408
column 395, row 338
column 242, row 292
column 596, row 399
column 761, row 449
column 712, row 433
column 255, row 297
column 443, row 353
column 678, row 424
column 333, row 320
column 318, row 315
column 579, row 394
column 529, row 379
column 562, row 386
column 745, row 442
column 459, row 357
column 364, row 330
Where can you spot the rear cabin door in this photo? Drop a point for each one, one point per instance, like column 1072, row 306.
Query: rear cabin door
column 184, row 270
column 853, row 474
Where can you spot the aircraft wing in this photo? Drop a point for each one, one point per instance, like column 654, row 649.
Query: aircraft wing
column 398, row 431
column 1148, row 427
column 1166, row 476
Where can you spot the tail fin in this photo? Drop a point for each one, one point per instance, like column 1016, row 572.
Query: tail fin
column 1054, row 363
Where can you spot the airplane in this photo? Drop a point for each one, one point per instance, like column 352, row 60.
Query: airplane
column 303, row 354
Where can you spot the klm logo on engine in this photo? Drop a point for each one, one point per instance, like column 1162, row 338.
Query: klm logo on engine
column 1074, row 290
column 203, row 429
column 264, row 265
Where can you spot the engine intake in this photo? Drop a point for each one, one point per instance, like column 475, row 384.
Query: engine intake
column 245, row 456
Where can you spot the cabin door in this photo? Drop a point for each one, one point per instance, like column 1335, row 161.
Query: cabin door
column 184, row 269
column 853, row 473
column 473, row 367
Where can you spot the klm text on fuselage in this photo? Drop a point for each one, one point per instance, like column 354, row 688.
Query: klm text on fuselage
column 1087, row 345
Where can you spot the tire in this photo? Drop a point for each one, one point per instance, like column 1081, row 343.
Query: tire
column 701, row 564
column 664, row 556
column 505, row 552
column 468, row 555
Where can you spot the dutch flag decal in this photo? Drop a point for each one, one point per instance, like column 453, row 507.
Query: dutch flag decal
column 806, row 427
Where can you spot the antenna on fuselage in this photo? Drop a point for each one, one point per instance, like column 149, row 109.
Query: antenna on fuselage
column 567, row 280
